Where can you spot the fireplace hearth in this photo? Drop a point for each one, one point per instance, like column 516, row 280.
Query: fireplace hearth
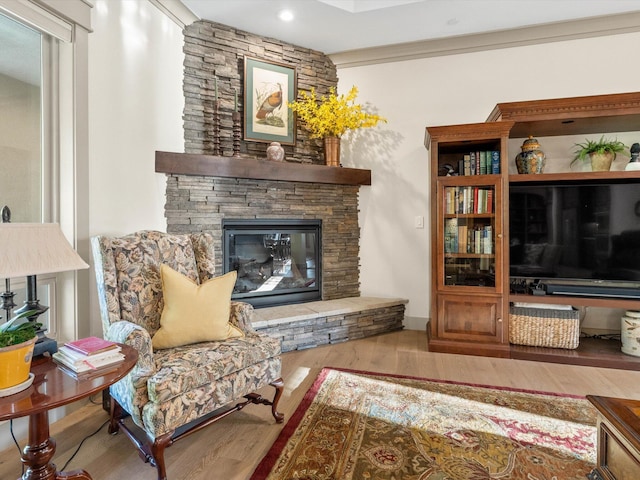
column 278, row 261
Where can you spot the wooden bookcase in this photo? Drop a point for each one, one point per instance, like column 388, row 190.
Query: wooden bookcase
column 468, row 288
column 469, row 291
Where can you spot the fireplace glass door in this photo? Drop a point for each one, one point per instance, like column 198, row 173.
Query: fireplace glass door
column 278, row 262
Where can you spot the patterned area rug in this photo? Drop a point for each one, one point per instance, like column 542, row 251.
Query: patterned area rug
column 366, row 426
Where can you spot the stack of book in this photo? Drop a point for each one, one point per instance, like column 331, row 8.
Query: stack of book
column 88, row 357
column 480, row 163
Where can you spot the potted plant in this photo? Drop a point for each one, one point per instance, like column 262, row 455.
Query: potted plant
column 330, row 117
column 601, row 153
column 17, row 340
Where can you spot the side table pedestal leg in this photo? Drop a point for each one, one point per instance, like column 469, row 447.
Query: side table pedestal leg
column 38, row 453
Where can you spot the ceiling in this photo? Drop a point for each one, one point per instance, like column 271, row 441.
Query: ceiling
column 333, row 26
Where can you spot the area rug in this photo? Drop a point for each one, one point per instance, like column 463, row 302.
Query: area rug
column 368, row 426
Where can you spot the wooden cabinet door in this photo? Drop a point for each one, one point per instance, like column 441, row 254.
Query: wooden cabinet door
column 476, row 318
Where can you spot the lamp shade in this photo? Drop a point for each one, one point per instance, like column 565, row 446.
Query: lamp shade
column 34, row 249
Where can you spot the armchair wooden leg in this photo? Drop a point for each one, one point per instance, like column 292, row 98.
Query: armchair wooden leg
column 279, row 386
column 157, row 450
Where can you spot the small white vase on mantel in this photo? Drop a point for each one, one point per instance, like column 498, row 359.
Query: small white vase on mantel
column 275, row 152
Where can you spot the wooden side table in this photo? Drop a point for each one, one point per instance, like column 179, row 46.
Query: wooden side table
column 618, row 439
column 53, row 388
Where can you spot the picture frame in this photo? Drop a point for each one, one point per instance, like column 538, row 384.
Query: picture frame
column 268, row 87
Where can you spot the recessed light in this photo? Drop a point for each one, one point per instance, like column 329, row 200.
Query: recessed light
column 286, row 15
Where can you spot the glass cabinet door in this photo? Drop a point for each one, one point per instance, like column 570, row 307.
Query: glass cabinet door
column 469, row 235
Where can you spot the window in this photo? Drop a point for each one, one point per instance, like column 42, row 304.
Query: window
column 63, row 27
column 25, row 159
column 21, row 120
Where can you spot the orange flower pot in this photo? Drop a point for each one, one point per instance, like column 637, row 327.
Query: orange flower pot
column 15, row 363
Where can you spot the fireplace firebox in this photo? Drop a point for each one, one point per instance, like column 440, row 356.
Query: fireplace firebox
column 278, row 261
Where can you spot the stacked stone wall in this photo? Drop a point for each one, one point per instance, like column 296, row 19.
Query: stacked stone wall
column 215, row 54
column 213, row 50
column 329, row 329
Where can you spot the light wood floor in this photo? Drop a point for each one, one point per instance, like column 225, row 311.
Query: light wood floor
column 231, row 448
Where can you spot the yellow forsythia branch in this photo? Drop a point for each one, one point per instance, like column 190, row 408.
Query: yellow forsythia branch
column 334, row 115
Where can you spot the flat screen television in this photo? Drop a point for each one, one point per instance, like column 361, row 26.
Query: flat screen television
column 577, row 239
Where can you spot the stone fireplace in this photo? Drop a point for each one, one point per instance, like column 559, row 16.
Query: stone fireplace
column 204, row 191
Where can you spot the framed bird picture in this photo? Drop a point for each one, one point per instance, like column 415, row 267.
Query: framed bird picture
column 268, row 88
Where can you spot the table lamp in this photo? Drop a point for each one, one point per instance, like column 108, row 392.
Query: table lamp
column 30, row 249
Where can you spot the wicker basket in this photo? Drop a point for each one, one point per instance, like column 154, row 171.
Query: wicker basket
column 544, row 327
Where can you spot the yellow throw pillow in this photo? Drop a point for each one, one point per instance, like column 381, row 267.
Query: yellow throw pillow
column 194, row 313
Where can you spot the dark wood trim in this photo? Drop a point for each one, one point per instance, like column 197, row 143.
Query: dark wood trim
column 601, row 302
column 462, row 133
column 568, row 107
column 257, row 169
column 610, row 176
column 570, row 116
column 591, row 352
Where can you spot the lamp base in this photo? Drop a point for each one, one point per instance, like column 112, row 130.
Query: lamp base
column 43, row 345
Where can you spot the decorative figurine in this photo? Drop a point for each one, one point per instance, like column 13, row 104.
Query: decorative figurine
column 634, row 161
column 235, row 116
column 216, row 127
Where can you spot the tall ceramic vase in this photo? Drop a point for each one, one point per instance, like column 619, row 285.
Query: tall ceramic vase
column 531, row 159
column 332, row 151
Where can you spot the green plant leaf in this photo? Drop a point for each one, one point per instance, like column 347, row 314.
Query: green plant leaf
column 7, row 326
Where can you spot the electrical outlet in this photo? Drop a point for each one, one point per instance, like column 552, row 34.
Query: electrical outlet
column 418, row 221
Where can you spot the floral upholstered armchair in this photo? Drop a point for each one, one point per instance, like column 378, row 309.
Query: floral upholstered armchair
column 176, row 386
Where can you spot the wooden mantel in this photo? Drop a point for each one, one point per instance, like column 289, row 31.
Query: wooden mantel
column 257, row 169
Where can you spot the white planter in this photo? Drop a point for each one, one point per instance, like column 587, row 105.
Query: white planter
column 630, row 333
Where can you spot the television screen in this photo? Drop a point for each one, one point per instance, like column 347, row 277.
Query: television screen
column 582, row 232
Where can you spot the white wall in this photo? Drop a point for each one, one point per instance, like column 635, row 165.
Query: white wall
column 395, row 256
column 135, row 108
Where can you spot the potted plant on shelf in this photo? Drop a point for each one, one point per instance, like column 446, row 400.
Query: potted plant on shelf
column 601, row 153
column 330, row 117
column 17, row 340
